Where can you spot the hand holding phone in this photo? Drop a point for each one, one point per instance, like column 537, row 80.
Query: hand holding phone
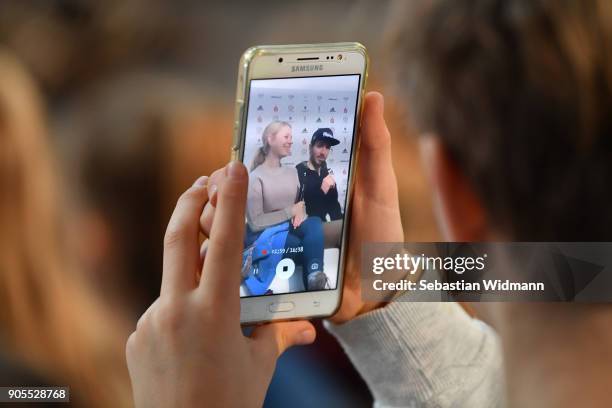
column 375, row 215
column 188, row 349
column 373, row 195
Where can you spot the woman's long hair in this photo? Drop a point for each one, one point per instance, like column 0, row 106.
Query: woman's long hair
column 49, row 318
column 270, row 130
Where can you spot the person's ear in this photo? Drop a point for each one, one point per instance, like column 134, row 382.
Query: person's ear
column 459, row 211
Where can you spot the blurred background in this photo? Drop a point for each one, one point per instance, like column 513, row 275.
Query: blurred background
column 129, row 102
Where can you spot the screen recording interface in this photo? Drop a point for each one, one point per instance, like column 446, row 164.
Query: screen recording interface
column 298, row 143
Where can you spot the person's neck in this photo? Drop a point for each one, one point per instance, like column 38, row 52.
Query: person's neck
column 557, row 355
column 272, row 161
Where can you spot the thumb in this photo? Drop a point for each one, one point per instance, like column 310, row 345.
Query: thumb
column 274, row 338
column 223, row 261
column 375, row 171
column 375, row 136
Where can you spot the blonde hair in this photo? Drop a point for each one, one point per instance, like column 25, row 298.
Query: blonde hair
column 49, row 319
column 270, row 130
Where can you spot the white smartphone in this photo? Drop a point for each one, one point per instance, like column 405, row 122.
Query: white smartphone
column 298, row 110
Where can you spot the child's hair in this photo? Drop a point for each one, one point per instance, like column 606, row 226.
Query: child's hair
column 49, row 317
column 520, row 94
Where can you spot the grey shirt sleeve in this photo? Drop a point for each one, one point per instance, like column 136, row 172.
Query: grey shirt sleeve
column 425, row 354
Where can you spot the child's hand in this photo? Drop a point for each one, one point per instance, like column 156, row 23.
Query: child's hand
column 375, row 213
column 188, row 348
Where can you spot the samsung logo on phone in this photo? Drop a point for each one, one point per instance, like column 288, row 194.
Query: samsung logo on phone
column 304, row 68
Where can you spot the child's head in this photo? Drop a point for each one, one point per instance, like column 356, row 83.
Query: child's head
column 519, row 93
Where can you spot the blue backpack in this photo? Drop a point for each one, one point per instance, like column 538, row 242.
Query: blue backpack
column 265, row 255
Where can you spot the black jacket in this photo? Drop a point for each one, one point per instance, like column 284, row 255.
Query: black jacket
column 318, row 203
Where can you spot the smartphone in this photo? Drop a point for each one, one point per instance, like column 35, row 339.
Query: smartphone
column 298, row 110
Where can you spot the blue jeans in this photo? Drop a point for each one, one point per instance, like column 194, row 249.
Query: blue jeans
column 309, row 236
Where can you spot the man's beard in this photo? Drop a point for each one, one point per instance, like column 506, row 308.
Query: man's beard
column 317, row 162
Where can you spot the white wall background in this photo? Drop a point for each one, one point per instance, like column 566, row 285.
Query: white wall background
column 307, row 104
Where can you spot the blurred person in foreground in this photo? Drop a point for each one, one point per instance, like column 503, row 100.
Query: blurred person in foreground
column 131, row 144
column 514, row 100
column 51, row 322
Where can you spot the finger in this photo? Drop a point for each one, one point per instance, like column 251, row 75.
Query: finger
column 213, row 194
column 181, row 246
column 375, row 161
column 147, row 313
column 375, row 137
column 216, row 180
column 274, row 338
column 207, row 218
column 203, row 250
column 221, row 273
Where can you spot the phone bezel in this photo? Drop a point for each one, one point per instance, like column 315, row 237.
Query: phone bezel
column 262, row 62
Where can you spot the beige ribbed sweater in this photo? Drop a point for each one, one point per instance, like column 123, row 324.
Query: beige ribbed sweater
column 271, row 195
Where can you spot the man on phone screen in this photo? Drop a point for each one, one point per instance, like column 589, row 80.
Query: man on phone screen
column 318, row 186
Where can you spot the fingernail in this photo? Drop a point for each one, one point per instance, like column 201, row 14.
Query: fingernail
column 201, row 181
column 306, row 337
column 234, row 169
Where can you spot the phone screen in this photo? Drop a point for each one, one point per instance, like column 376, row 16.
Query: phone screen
column 298, row 145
